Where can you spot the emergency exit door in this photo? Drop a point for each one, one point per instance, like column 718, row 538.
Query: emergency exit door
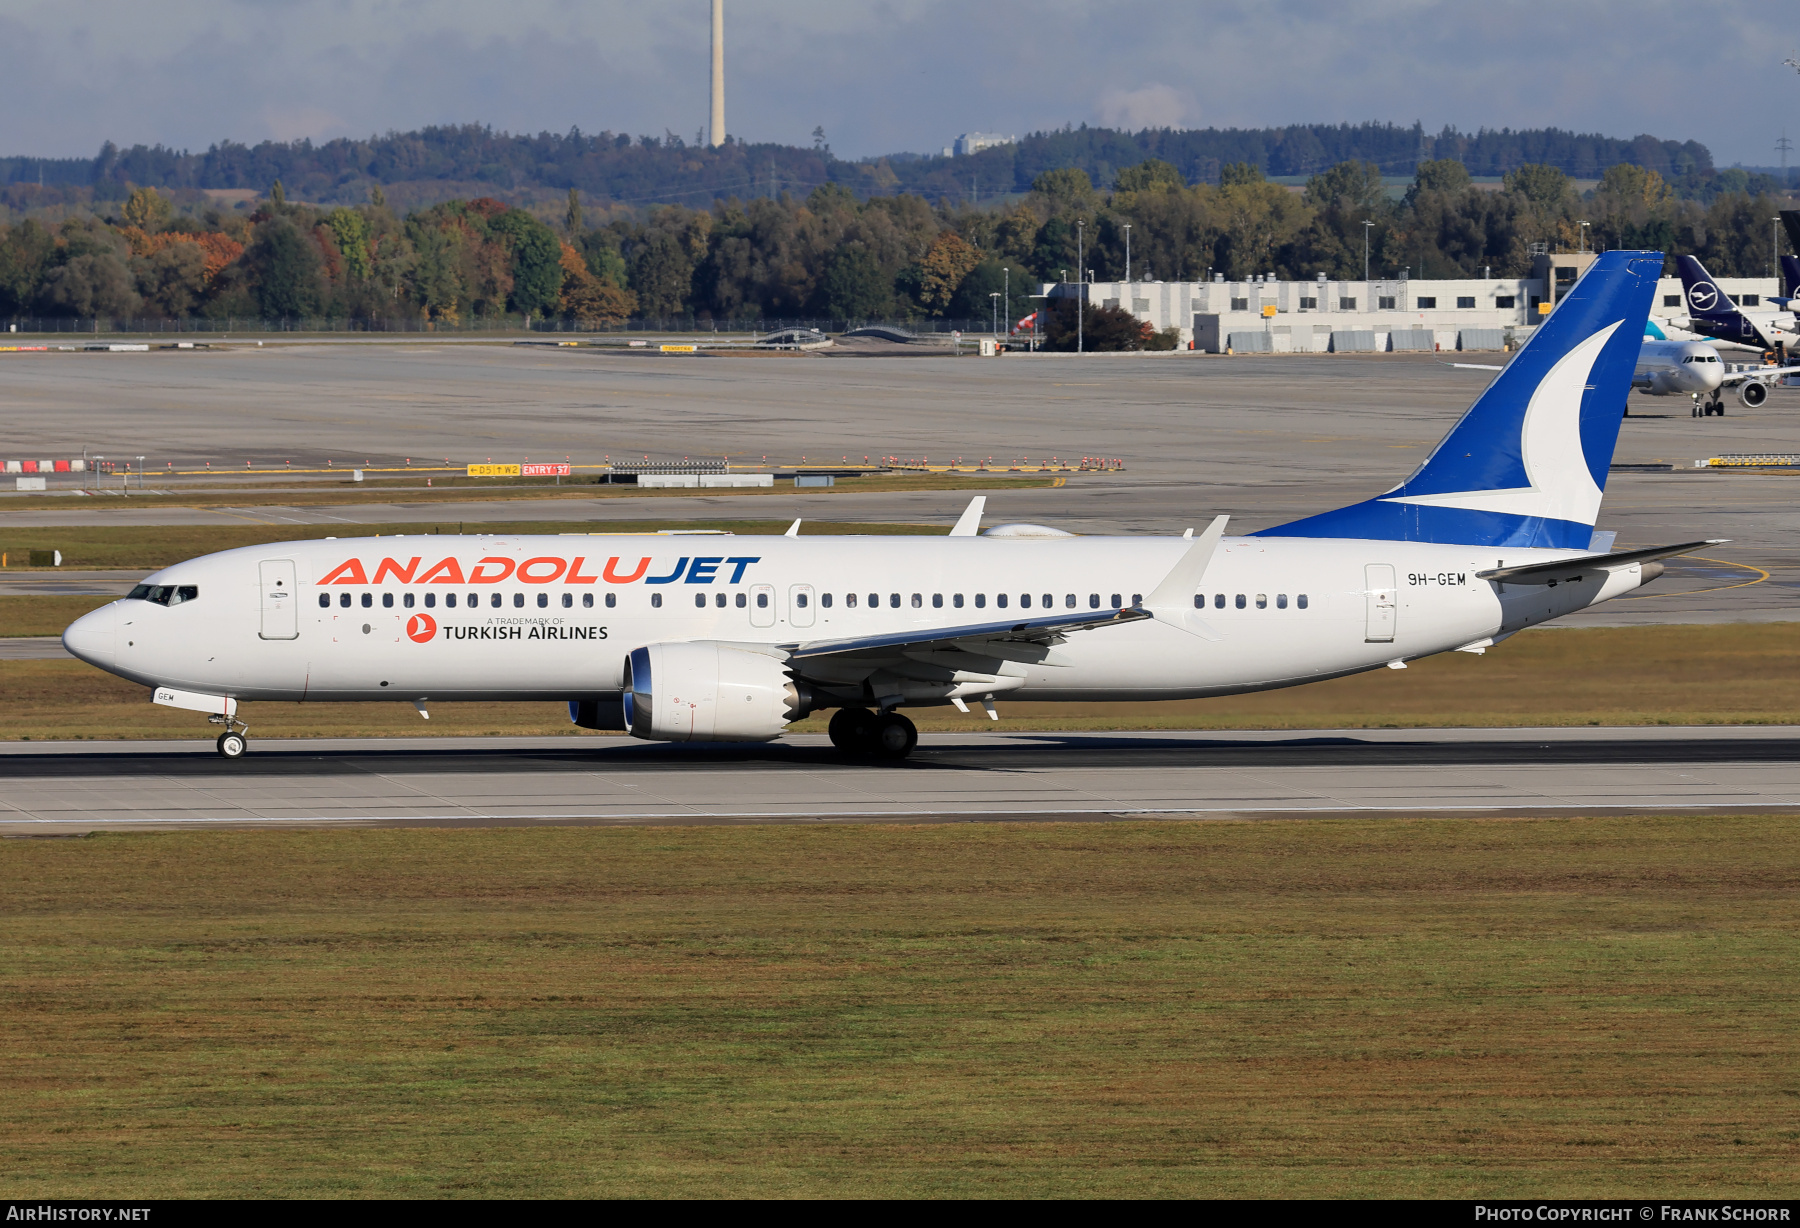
column 1381, row 595
column 762, row 605
column 280, row 601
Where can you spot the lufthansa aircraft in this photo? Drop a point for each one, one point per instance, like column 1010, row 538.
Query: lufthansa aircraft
column 732, row 638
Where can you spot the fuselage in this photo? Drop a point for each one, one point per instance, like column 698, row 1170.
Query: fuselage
column 539, row 618
column 1677, row 368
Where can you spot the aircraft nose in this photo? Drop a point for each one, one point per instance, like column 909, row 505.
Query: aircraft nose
column 1711, row 374
column 91, row 637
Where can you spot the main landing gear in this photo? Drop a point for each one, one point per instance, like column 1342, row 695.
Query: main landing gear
column 232, row 744
column 883, row 735
column 1704, row 409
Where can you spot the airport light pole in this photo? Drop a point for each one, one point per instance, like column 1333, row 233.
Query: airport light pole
column 1366, row 226
column 1128, row 253
column 1081, row 281
column 1775, row 251
column 1006, row 288
column 995, row 295
column 1582, row 236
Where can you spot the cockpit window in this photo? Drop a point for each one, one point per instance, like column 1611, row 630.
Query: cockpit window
column 165, row 594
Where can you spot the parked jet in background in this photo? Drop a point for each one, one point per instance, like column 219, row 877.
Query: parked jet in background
column 1711, row 313
column 1691, row 369
column 1495, row 532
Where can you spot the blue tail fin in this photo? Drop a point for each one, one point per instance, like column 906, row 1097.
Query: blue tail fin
column 1527, row 463
column 1790, row 276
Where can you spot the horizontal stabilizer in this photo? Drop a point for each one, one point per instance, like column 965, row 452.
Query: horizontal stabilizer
column 1562, row 569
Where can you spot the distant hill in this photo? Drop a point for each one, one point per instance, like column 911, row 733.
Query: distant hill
column 651, row 170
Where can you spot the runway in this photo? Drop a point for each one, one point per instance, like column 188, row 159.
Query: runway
column 71, row 788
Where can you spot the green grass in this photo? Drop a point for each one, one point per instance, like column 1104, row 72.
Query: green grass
column 1685, row 675
column 1325, row 1008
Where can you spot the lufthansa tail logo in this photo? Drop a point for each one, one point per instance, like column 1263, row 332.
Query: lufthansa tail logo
column 420, row 628
column 1703, row 297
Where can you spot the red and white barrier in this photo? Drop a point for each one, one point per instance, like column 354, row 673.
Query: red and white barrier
column 46, row 466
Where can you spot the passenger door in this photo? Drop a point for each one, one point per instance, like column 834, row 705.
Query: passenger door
column 1380, row 596
column 800, row 605
column 280, row 600
column 762, row 605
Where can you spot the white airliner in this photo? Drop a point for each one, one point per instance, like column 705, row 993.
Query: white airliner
column 732, row 638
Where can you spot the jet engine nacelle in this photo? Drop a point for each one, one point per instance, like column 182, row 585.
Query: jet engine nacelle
column 708, row 692
column 1753, row 393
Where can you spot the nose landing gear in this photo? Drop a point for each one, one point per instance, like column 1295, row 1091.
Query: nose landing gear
column 232, row 745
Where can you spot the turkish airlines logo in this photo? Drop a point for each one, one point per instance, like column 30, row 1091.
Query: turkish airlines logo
column 420, row 628
column 1703, row 297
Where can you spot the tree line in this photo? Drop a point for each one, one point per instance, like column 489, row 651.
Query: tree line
column 828, row 254
column 670, row 168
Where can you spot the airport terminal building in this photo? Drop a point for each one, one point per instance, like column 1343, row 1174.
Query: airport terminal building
column 1267, row 315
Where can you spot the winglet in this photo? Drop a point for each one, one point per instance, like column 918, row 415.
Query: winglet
column 793, row 529
column 1176, row 591
column 969, row 523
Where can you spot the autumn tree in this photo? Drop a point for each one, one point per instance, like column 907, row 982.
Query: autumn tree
column 946, row 262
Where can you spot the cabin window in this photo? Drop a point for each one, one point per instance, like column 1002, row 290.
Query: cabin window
column 742, row 601
column 1137, row 599
column 850, row 600
column 612, row 599
column 324, row 598
column 493, row 601
column 1239, row 603
column 518, row 601
column 800, row 600
column 368, row 600
column 918, row 602
column 1069, row 601
column 170, row 594
column 762, row 601
column 387, row 601
column 543, row 600
column 719, row 600
column 1024, row 601
column 1218, row 601
column 407, row 601
column 1300, row 601
column 956, row 600
column 937, row 601
column 587, row 600
column 1049, row 600
column 1116, row 603
column 449, row 601
column 1281, row 601
column 699, row 601
column 1000, row 600
column 874, row 601
column 656, row 601
column 894, row 600
column 824, row 600
column 1199, row 601
column 1262, row 601
column 344, row 601
column 980, row 601
column 568, row 600
column 1465, row 301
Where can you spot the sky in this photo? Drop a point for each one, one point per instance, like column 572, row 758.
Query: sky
column 890, row 75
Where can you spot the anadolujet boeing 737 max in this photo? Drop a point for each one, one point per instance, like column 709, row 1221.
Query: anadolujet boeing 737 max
column 732, row 638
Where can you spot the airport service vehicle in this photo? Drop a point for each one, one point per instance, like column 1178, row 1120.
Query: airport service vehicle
column 732, row 638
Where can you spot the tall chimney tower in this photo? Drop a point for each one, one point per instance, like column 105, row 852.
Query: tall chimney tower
column 718, row 74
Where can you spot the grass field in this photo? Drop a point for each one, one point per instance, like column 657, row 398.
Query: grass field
column 152, row 546
column 460, row 489
column 1325, row 1008
column 1687, row 675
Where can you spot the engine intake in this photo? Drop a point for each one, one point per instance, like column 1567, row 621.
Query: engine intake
column 707, row 692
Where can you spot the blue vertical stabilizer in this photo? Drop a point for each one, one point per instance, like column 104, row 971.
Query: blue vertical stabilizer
column 1527, row 463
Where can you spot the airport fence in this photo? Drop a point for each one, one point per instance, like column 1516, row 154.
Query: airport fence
column 202, row 326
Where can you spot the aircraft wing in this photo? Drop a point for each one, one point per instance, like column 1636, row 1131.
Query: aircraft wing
column 1475, row 366
column 993, row 638
column 1565, row 569
column 1760, row 373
